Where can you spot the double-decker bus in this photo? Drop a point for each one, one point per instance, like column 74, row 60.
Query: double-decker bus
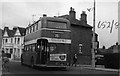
column 47, row 43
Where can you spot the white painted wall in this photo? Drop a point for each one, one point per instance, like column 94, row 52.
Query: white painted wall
column 13, row 45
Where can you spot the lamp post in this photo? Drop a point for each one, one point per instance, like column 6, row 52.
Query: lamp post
column 93, row 38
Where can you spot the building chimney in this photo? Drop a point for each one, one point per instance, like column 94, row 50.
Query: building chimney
column 116, row 43
column 72, row 13
column 44, row 15
column 15, row 27
column 83, row 17
column 6, row 28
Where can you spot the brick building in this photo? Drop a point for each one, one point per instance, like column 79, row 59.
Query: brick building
column 81, row 36
column 12, row 41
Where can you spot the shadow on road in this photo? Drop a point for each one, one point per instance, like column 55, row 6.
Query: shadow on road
column 50, row 69
column 47, row 68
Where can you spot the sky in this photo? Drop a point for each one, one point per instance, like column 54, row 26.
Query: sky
column 19, row 13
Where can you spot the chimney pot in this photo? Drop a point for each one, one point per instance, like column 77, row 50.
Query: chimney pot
column 6, row 28
column 44, row 15
column 72, row 13
column 70, row 8
column 83, row 17
column 83, row 12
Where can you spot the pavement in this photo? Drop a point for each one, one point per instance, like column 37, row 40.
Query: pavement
column 100, row 67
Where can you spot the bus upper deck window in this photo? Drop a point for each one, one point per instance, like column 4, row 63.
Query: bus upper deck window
column 33, row 28
column 60, row 25
column 39, row 24
column 36, row 26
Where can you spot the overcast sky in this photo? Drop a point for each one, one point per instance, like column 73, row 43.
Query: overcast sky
column 19, row 13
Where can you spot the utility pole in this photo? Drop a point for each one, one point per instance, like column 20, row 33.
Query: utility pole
column 93, row 38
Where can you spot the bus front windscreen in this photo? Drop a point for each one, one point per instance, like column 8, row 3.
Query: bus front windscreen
column 60, row 25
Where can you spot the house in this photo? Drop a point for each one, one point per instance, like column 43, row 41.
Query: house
column 112, row 49
column 110, row 57
column 81, row 36
column 12, row 41
column 0, row 40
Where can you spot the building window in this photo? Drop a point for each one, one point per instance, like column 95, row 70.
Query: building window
column 14, row 51
column 39, row 24
column 27, row 48
column 6, row 50
column 30, row 29
column 18, row 41
column 33, row 28
column 11, row 51
column 26, row 31
column 33, row 47
column 18, row 53
column 15, row 40
column 6, row 40
column 3, row 41
column 11, row 40
column 36, row 26
column 80, row 48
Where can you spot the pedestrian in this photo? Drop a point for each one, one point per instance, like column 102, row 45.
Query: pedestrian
column 75, row 59
column 5, row 61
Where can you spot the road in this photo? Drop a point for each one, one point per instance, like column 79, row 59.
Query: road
column 16, row 69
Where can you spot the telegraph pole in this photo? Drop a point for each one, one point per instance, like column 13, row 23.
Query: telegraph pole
column 93, row 38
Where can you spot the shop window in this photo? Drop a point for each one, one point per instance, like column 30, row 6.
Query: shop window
column 37, row 26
